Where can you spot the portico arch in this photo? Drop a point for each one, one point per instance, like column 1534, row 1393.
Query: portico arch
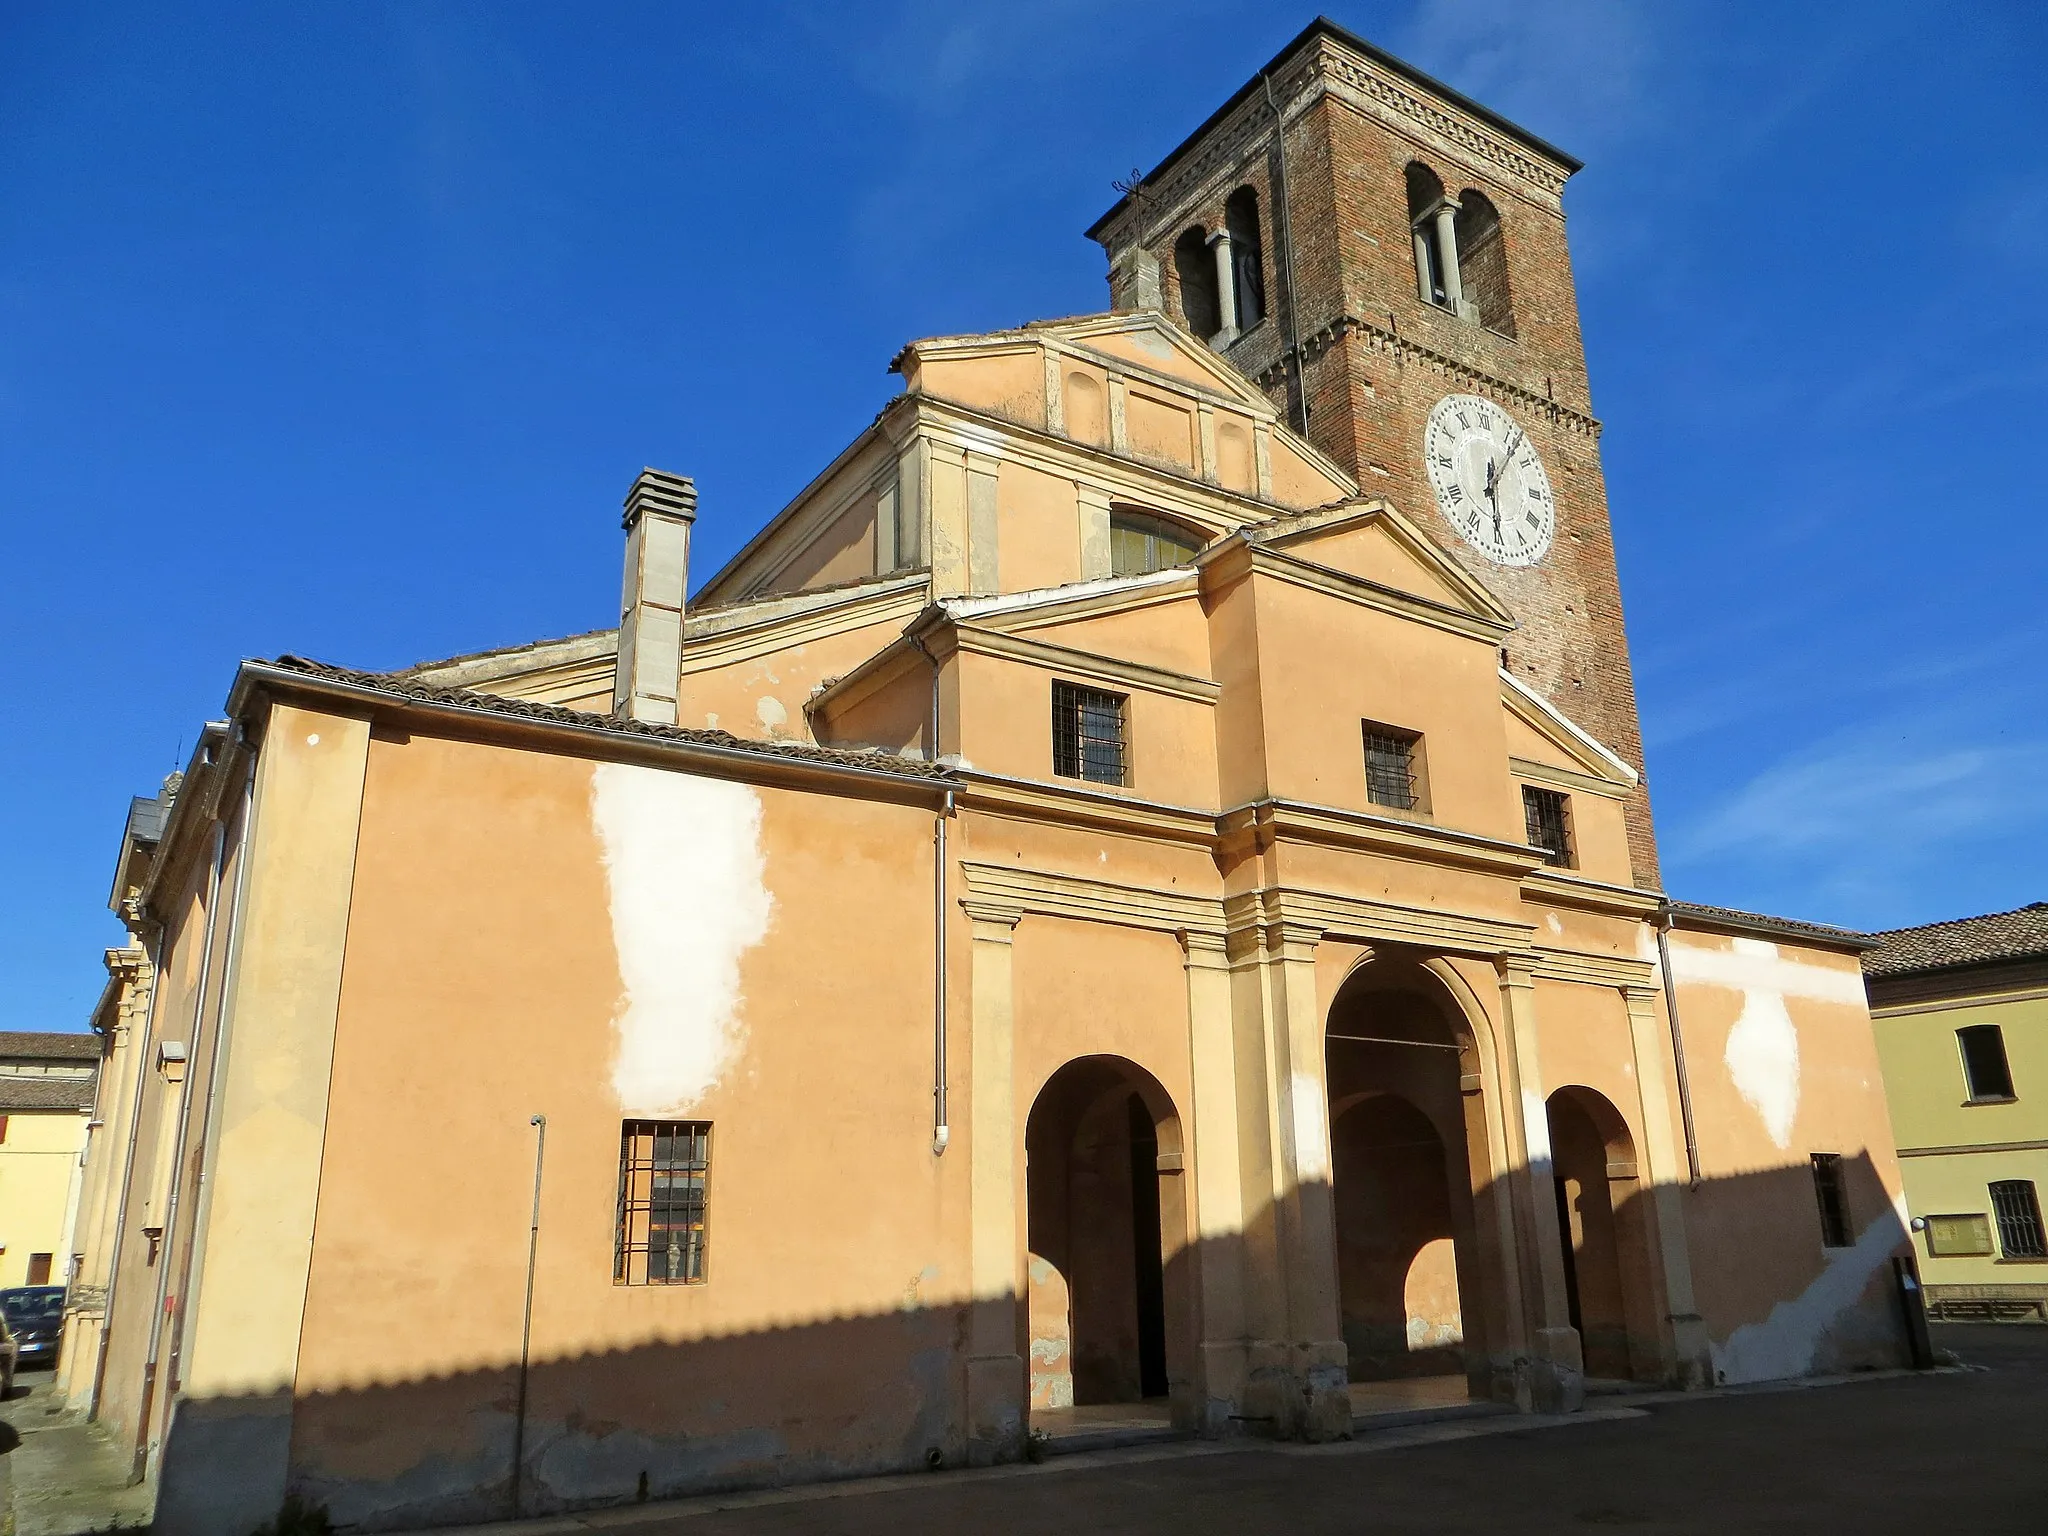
column 1109, row 1313
column 1419, row 1256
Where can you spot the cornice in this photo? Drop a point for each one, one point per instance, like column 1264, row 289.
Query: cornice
column 903, row 600
column 1592, row 969
column 1049, row 893
column 1385, row 339
column 1361, row 918
column 1554, row 888
column 1565, row 778
column 1072, row 804
column 1266, row 561
column 1266, row 821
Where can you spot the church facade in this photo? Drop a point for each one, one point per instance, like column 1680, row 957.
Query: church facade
column 1135, row 891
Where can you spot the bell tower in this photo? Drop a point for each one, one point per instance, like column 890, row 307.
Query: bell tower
column 1363, row 242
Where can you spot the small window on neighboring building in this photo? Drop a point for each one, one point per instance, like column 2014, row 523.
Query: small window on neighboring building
column 663, row 1169
column 1985, row 1070
column 1390, row 777
column 39, row 1268
column 1546, row 814
column 1087, row 734
column 1140, row 542
column 2018, row 1210
column 3, row 1128
column 1833, row 1197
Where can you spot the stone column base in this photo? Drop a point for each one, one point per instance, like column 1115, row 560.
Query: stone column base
column 1556, row 1375
column 1298, row 1391
column 995, row 1409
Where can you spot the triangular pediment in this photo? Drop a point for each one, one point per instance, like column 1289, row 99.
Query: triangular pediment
column 1547, row 736
column 1372, row 541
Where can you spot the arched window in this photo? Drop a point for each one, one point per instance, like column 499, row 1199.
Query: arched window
column 1196, row 268
column 1141, row 542
column 1247, row 257
column 1483, row 261
column 1425, row 198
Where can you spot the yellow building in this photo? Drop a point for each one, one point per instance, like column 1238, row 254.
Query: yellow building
column 1127, row 902
column 47, row 1081
column 1961, row 1011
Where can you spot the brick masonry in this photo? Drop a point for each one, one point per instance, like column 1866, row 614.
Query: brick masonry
column 1375, row 356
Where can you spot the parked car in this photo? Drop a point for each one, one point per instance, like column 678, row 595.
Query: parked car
column 35, row 1317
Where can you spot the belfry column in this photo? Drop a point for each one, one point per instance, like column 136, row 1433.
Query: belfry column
column 1447, row 251
column 1226, row 291
column 1693, row 1359
column 1219, row 1189
column 1557, row 1382
column 995, row 1360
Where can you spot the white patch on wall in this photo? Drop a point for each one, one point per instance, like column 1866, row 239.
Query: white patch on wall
column 686, row 878
column 1762, row 1054
column 1785, row 1342
column 1311, row 1136
column 769, row 711
column 1763, row 1062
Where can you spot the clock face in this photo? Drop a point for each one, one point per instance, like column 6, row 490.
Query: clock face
column 1489, row 480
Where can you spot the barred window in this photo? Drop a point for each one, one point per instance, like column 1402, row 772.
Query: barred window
column 1985, row 1068
column 2018, row 1210
column 1547, row 815
column 1087, row 734
column 663, row 1166
column 1833, row 1198
column 1390, row 767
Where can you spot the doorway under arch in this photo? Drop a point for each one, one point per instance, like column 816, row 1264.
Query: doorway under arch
column 1604, row 1230
column 1106, row 1221
column 1418, row 1283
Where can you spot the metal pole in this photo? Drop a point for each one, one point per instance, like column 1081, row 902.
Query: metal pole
column 1692, row 1141
column 540, row 1148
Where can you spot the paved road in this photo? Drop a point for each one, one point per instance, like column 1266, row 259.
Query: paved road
column 60, row 1477
column 1954, row 1452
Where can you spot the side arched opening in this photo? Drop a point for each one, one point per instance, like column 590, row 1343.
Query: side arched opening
column 1603, row 1220
column 1107, row 1295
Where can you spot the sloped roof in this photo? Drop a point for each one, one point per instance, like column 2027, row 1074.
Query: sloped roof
column 23, row 1093
column 1762, row 922
column 49, row 1045
column 398, row 686
column 2021, row 934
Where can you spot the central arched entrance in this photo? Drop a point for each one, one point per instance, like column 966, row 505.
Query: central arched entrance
column 1417, row 1280
column 1106, row 1232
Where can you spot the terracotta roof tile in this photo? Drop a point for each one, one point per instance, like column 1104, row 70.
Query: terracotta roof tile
column 22, row 1093
column 399, row 686
column 50, row 1044
column 2021, row 934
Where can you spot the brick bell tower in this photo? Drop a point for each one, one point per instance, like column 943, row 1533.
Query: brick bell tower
column 1365, row 242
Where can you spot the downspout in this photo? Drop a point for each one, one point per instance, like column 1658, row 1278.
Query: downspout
column 540, row 1152
column 151, row 1361
column 942, row 1130
column 1283, row 226
column 1692, row 1144
column 195, row 1255
column 136, row 1047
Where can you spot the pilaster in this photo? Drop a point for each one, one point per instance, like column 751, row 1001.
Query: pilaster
column 1092, row 505
column 982, row 471
column 996, row 1385
column 1219, row 1190
column 1689, row 1344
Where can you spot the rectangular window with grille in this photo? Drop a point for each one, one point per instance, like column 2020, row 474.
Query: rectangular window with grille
column 1833, row 1197
column 663, row 1169
column 1546, row 814
column 1390, row 777
column 1088, row 734
column 2018, row 1212
column 1985, row 1070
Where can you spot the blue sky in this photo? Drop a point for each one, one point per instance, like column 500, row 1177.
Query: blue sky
column 342, row 330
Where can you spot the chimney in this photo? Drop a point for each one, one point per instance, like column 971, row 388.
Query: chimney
column 1134, row 281
column 659, row 511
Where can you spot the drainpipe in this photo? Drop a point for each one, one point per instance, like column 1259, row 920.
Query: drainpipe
column 136, row 1048
column 540, row 1152
column 1283, row 227
column 1692, row 1145
column 942, row 1130
column 170, row 1223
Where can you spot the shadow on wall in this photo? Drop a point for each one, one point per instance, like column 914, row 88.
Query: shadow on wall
column 888, row 1392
